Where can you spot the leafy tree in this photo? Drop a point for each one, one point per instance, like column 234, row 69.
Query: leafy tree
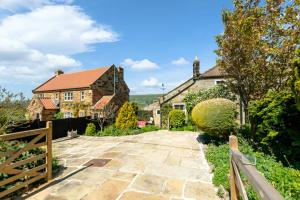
column 257, row 47
column 176, row 118
column 127, row 117
column 218, row 91
column 164, row 113
column 107, row 113
column 296, row 79
column 12, row 109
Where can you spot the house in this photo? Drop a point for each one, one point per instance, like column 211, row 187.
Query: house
column 79, row 94
column 197, row 82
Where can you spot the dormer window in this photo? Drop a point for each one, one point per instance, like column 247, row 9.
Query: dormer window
column 68, row 96
column 81, row 95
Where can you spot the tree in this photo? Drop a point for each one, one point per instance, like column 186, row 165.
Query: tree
column 257, row 47
column 12, row 109
column 127, row 117
column 107, row 113
column 296, row 79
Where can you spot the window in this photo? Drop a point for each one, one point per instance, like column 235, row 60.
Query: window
column 56, row 96
column 68, row 96
column 81, row 114
column 157, row 112
column 81, row 95
column 41, row 95
column 217, row 82
column 68, row 115
column 179, row 106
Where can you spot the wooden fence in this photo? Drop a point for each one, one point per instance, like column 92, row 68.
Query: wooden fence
column 12, row 167
column 238, row 162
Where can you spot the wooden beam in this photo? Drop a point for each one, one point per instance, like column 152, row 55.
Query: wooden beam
column 49, row 150
column 233, row 144
column 239, row 182
column 12, row 136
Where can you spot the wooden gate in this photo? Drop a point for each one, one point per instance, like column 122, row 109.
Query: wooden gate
column 238, row 162
column 11, row 166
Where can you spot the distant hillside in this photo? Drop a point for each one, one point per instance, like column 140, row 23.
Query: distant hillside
column 144, row 100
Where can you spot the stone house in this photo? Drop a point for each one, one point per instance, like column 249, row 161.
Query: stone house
column 199, row 81
column 79, row 94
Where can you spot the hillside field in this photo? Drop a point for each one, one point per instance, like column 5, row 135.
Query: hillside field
column 144, row 100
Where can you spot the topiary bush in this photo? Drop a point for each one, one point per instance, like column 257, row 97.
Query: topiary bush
column 127, row 117
column 215, row 116
column 90, row 129
column 176, row 118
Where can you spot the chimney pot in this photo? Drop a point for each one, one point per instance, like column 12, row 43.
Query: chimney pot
column 121, row 73
column 59, row 72
column 196, row 67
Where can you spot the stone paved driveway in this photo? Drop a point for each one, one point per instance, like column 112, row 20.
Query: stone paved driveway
column 151, row 166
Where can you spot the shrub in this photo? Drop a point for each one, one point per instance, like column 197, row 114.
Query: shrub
column 275, row 125
column 59, row 115
column 164, row 114
column 90, row 129
column 215, row 116
column 127, row 117
column 145, row 114
column 218, row 91
column 113, row 131
column 176, row 118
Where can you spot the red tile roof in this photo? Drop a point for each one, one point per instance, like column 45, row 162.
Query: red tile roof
column 48, row 103
column 103, row 102
column 73, row 80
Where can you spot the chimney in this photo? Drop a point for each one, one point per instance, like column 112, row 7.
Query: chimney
column 196, row 68
column 121, row 73
column 59, row 72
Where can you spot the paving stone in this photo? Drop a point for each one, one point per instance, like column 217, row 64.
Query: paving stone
column 173, row 187
column 200, row 191
column 111, row 154
column 113, row 164
column 109, row 190
column 173, row 160
column 92, row 175
column 141, row 196
column 124, row 176
column 148, row 183
column 76, row 162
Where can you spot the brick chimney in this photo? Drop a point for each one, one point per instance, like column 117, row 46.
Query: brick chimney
column 59, row 72
column 196, row 68
column 121, row 73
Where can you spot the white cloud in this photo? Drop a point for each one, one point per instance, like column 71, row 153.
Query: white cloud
column 144, row 64
column 35, row 43
column 15, row 5
column 180, row 61
column 151, row 82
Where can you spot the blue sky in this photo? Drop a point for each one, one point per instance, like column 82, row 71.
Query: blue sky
column 155, row 41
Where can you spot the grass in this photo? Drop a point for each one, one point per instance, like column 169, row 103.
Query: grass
column 144, row 100
column 285, row 180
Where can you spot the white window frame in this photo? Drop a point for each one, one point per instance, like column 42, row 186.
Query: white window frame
column 42, row 95
column 68, row 96
column 179, row 104
column 156, row 111
column 81, row 95
column 68, row 115
column 219, row 80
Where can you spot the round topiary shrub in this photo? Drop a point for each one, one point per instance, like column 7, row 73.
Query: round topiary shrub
column 127, row 117
column 90, row 129
column 215, row 116
column 176, row 118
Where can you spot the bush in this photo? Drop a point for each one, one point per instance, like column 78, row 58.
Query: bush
column 127, row 117
column 113, row 131
column 284, row 179
column 275, row 125
column 90, row 129
column 164, row 114
column 176, row 118
column 215, row 116
column 218, row 91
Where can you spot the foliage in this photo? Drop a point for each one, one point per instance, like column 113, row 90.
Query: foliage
column 145, row 115
column 135, row 107
column 296, row 78
column 176, row 118
column 90, row 129
column 144, row 100
column 257, row 47
column 275, row 125
column 284, row 179
column 106, row 114
column 113, row 131
column 59, row 115
column 215, row 116
column 164, row 114
column 127, row 118
column 12, row 109
column 218, row 91
column 188, row 127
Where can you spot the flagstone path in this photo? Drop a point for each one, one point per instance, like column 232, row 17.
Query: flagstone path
column 158, row 165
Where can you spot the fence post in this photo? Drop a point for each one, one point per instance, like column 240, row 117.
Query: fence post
column 233, row 144
column 49, row 150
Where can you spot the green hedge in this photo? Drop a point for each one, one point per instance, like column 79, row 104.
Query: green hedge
column 215, row 116
column 176, row 118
